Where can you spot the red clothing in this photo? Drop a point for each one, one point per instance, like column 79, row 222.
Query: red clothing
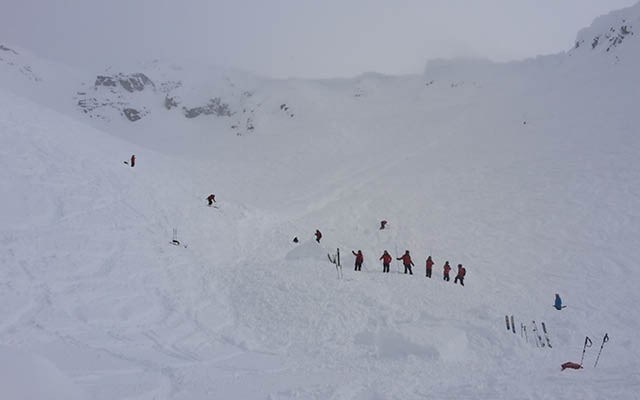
column 447, row 268
column 571, row 365
column 359, row 257
column 386, row 258
column 461, row 272
column 429, row 263
column 406, row 259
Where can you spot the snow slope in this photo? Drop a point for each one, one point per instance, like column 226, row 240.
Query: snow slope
column 526, row 173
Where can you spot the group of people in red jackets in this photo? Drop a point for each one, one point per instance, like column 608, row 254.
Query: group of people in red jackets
column 407, row 262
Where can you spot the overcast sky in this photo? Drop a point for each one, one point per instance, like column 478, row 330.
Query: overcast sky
column 296, row 38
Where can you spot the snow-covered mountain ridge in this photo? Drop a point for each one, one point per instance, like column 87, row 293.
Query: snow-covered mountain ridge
column 610, row 32
column 158, row 88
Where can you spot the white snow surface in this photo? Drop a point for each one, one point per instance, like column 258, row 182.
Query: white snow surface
column 30, row 377
column 526, row 173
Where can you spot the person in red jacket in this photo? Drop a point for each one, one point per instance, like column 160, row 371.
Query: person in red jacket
column 386, row 260
column 359, row 259
column 133, row 161
column 460, row 276
column 406, row 261
column 318, row 236
column 446, row 269
column 429, row 266
column 211, row 199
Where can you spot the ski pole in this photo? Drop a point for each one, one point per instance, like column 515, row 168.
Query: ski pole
column 587, row 343
column 605, row 339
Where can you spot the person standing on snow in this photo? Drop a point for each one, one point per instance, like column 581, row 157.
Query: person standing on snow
column 558, row 303
column 133, row 160
column 318, row 236
column 383, row 224
column 460, row 276
column 429, row 266
column 359, row 260
column 406, row 261
column 386, row 260
column 446, row 270
column 211, row 199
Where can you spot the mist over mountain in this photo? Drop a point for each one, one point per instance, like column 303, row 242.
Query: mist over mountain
column 119, row 282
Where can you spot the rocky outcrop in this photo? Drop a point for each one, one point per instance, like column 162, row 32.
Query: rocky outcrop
column 114, row 93
column 4, row 48
column 215, row 107
column 136, row 96
column 609, row 32
column 170, row 102
column 132, row 114
column 285, row 108
column 136, row 82
column 612, row 39
column 106, row 81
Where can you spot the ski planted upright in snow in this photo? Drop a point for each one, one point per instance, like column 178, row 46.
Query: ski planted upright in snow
column 538, row 338
column 336, row 261
column 546, row 335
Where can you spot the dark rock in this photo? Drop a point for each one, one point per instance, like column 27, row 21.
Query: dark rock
column 135, row 82
column 215, row 107
column 4, row 48
column 131, row 83
column 102, row 80
column 192, row 112
column 170, row 102
column 132, row 114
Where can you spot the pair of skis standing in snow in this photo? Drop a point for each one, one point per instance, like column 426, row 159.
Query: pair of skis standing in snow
column 540, row 342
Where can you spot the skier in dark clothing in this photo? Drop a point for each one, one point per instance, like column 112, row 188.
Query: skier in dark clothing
column 318, row 236
column 133, row 161
column 211, row 199
column 295, row 240
column 429, row 266
column 460, row 276
column 359, row 260
column 406, row 261
column 383, row 224
column 386, row 260
column 446, row 270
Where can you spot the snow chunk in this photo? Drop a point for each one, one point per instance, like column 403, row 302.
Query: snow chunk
column 309, row 250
